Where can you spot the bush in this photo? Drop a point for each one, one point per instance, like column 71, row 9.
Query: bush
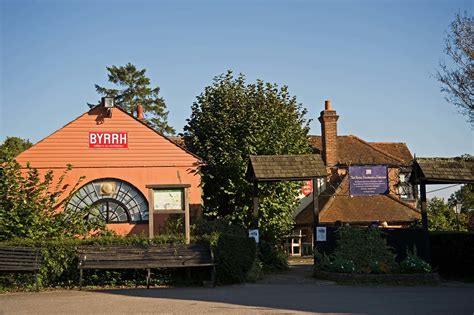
column 366, row 248
column 414, row 264
column 29, row 205
column 235, row 257
column 452, row 253
column 273, row 258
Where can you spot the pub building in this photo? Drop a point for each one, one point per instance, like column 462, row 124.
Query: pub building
column 128, row 167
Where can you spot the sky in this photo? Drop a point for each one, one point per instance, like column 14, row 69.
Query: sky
column 375, row 60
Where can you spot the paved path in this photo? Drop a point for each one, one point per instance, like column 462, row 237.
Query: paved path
column 274, row 294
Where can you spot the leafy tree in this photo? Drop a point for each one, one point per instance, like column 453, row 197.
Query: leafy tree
column 458, row 82
column 12, row 146
column 29, row 206
column 231, row 120
column 441, row 217
column 465, row 196
column 135, row 89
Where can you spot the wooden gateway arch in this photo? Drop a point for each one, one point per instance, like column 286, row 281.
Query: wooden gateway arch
column 437, row 170
column 280, row 168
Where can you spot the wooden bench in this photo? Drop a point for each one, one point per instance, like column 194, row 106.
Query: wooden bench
column 145, row 257
column 20, row 259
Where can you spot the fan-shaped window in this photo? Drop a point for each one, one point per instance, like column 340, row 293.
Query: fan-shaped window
column 111, row 200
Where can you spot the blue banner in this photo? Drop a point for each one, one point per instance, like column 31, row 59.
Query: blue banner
column 368, row 180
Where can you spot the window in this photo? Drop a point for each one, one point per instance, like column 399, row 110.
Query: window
column 405, row 188
column 111, row 200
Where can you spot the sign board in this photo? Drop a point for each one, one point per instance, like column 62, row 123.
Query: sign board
column 108, row 139
column 168, row 199
column 320, row 234
column 307, row 188
column 254, row 234
column 368, row 180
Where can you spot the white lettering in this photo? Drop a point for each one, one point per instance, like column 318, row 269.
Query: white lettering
column 107, row 138
column 115, row 138
column 92, row 138
column 123, row 138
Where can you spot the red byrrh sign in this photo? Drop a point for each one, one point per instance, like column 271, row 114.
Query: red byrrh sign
column 307, row 187
column 99, row 139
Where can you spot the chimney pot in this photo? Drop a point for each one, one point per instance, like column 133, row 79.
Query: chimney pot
column 327, row 105
column 140, row 111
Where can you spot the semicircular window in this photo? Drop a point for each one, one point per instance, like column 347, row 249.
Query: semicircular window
column 111, row 200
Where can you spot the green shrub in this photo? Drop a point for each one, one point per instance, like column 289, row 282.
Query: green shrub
column 205, row 227
column 235, row 257
column 366, row 248
column 273, row 258
column 29, row 203
column 414, row 264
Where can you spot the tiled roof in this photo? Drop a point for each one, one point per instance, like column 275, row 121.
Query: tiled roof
column 285, row 167
column 352, row 150
column 446, row 170
column 337, row 205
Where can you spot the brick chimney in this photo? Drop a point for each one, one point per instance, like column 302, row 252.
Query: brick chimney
column 328, row 119
column 140, row 111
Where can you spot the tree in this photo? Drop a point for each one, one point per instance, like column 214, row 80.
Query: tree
column 441, row 217
column 231, row 120
column 12, row 146
column 29, row 207
column 135, row 89
column 458, row 82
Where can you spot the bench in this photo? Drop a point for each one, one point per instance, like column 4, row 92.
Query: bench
column 145, row 257
column 20, row 259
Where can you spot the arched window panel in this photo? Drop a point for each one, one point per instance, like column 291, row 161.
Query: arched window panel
column 111, row 200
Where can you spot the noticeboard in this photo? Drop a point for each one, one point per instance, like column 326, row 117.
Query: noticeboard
column 368, row 180
column 168, row 199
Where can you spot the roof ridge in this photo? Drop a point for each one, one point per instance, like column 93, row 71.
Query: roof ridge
column 377, row 149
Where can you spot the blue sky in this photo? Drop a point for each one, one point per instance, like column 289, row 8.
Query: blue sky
column 374, row 59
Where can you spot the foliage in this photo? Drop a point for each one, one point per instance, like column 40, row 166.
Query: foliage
column 452, row 253
column 414, row 264
column 232, row 120
column 272, row 257
column 29, row 206
column 359, row 250
column 458, row 82
column 235, row 258
column 220, row 226
column 135, row 89
column 12, row 146
column 465, row 196
column 442, row 217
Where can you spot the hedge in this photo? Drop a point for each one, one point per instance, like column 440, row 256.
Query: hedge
column 452, row 253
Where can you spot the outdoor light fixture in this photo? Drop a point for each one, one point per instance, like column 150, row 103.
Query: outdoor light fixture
column 457, row 209
column 108, row 102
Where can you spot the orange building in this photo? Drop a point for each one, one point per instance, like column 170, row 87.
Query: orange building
column 120, row 157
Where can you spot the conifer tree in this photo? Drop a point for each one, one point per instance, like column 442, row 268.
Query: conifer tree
column 133, row 89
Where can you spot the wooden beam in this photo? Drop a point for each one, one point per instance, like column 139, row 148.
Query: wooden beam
column 255, row 205
column 424, row 223
column 151, row 205
column 187, row 228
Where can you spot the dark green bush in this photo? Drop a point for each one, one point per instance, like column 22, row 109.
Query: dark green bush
column 235, row 257
column 366, row 248
column 204, row 227
column 273, row 258
column 452, row 254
